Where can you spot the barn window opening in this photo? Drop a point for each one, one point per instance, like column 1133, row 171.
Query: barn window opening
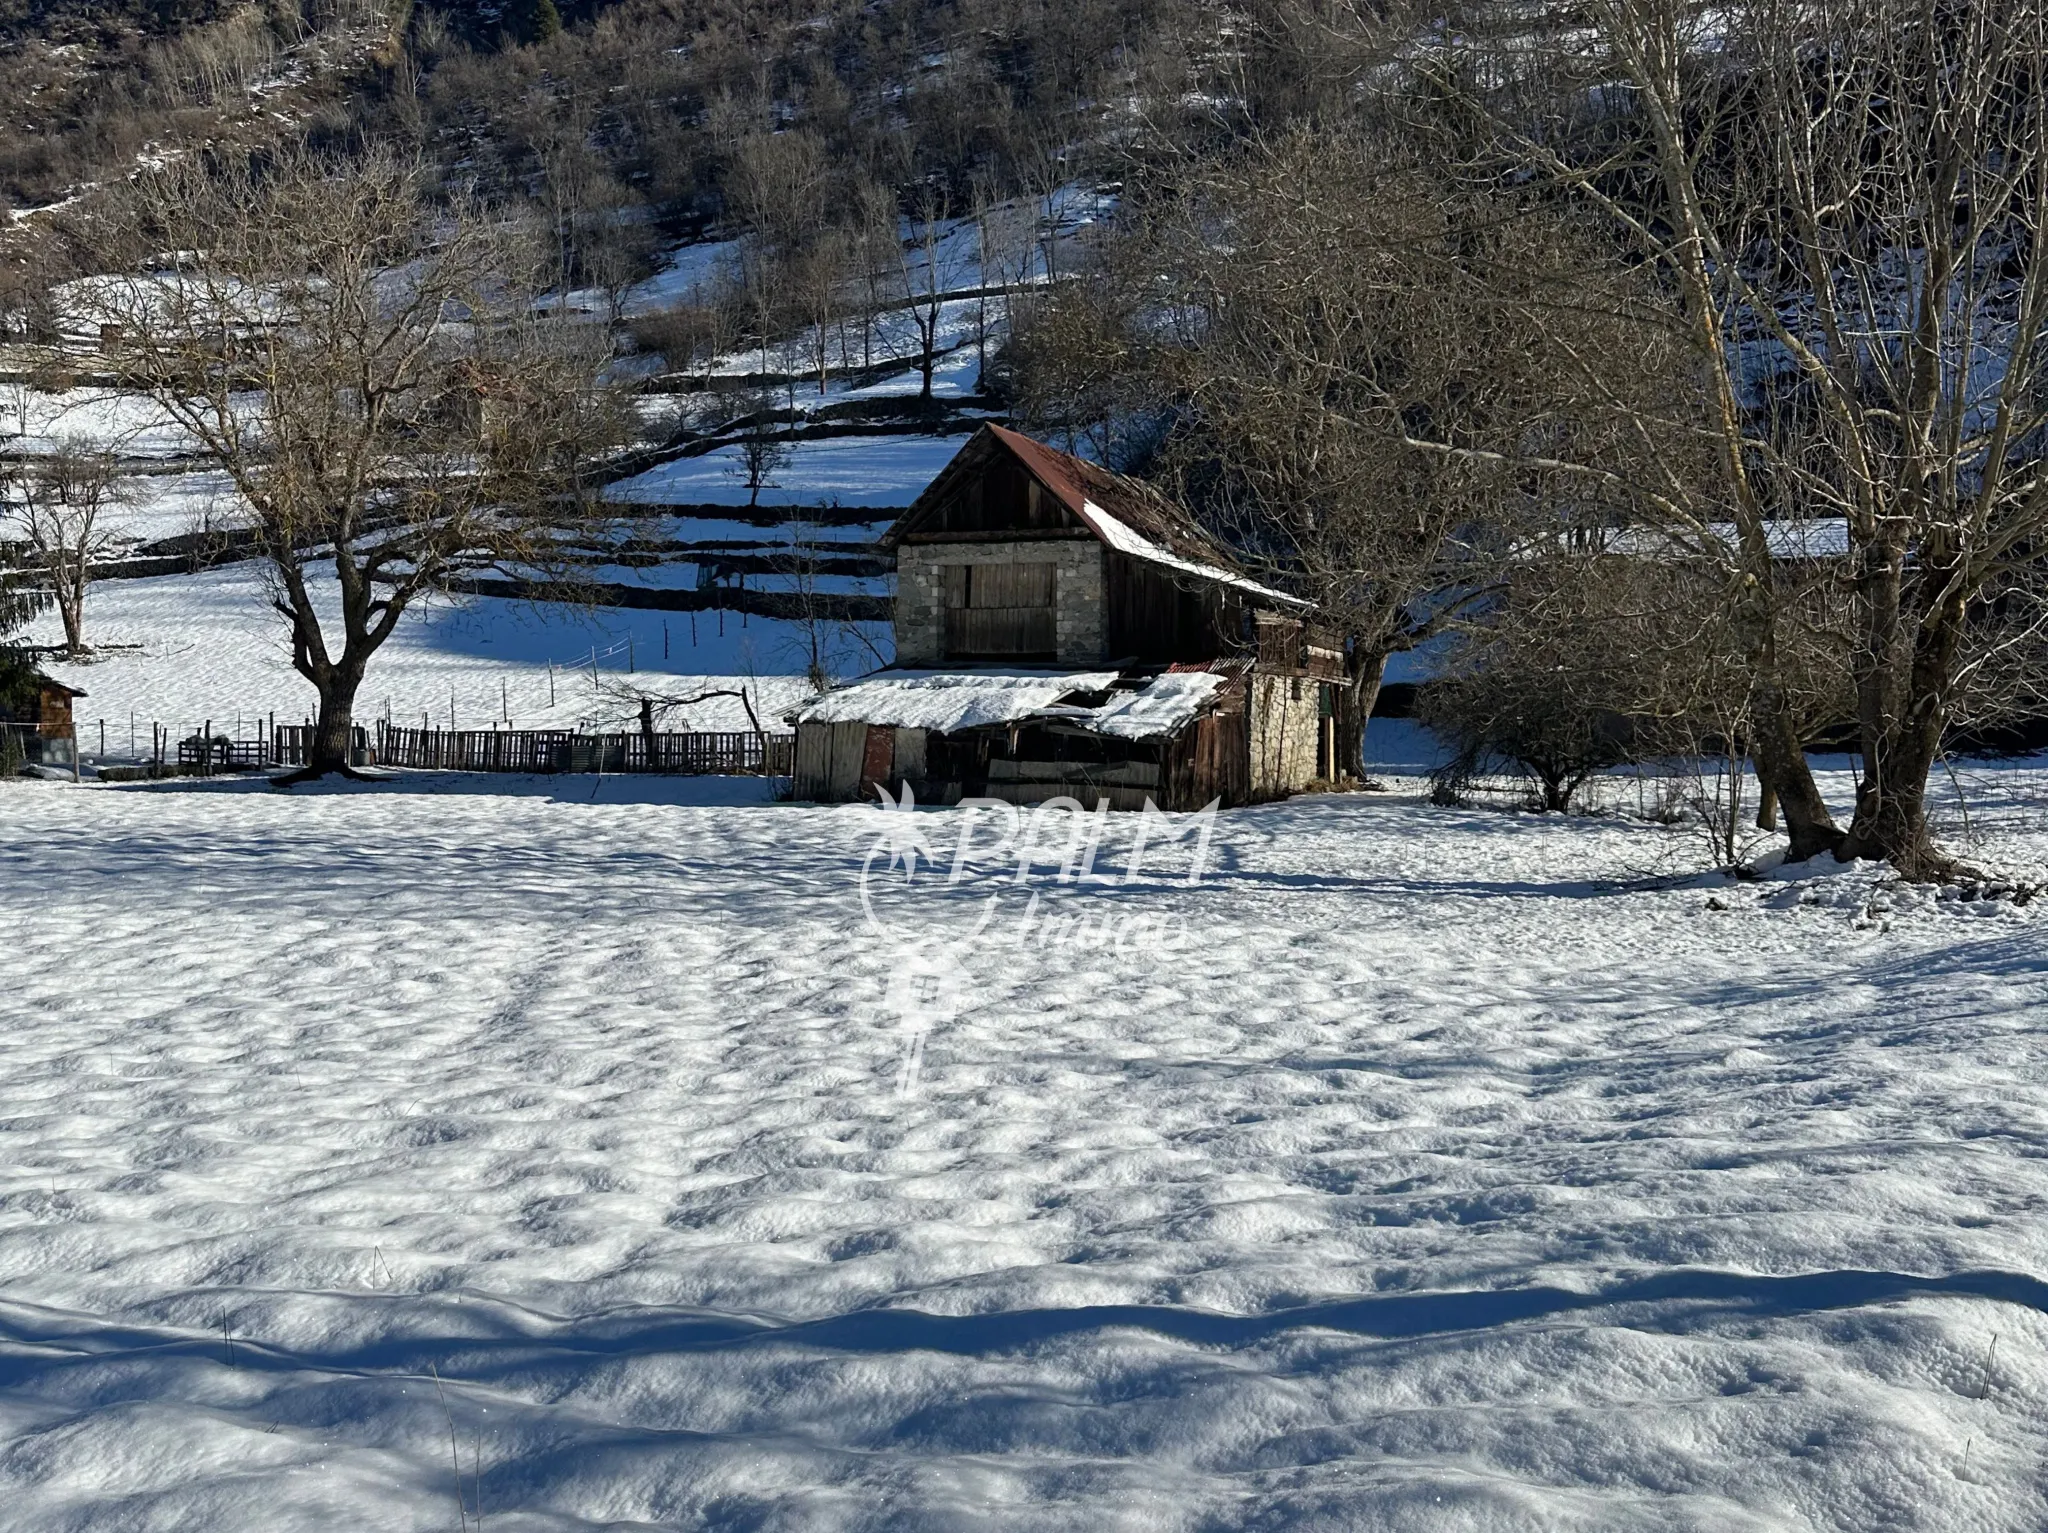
column 1000, row 611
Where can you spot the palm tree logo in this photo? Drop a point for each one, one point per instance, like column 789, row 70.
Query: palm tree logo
column 928, row 980
column 901, row 846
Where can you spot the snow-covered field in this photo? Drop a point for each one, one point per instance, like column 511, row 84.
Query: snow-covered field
column 1415, row 1169
column 205, row 647
column 644, row 1153
column 850, row 471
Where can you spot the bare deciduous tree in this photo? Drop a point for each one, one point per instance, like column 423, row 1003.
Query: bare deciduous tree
column 61, row 501
column 928, row 272
column 761, row 450
column 367, row 367
column 1846, row 201
column 1337, row 347
column 1621, row 648
column 819, row 278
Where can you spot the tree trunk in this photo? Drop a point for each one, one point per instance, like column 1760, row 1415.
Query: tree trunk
column 1903, row 722
column 1354, row 711
column 71, row 608
column 334, row 725
column 1781, row 767
column 1902, row 699
column 1891, row 809
column 332, row 733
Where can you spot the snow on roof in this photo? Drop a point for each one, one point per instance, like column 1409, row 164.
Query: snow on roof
column 949, row 700
column 1162, row 707
column 1126, row 540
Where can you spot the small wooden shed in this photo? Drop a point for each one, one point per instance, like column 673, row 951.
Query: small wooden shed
column 38, row 717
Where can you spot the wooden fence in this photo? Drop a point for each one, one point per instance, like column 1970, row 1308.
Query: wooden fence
column 285, row 745
column 739, row 754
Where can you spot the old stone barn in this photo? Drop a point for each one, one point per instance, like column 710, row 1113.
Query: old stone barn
column 1065, row 631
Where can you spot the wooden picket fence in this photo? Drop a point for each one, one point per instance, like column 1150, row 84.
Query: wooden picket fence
column 735, row 754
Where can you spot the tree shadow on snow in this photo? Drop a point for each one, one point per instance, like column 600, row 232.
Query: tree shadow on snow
column 501, row 1339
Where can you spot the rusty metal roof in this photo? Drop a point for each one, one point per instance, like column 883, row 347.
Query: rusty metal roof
column 1125, row 513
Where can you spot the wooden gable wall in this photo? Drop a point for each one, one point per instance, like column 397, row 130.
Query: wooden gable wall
column 1000, row 496
column 1148, row 613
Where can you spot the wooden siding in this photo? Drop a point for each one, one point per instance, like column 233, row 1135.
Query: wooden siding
column 828, row 761
column 849, row 752
column 54, row 710
column 910, row 753
column 1033, row 762
column 878, row 759
column 1154, row 617
column 1003, row 497
column 1001, row 611
column 1212, row 760
column 1282, row 643
column 1290, row 645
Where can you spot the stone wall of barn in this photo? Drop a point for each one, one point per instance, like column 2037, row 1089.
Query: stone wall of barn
column 1079, row 631
column 1285, row 732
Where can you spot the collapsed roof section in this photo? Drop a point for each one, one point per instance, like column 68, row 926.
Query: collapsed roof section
column 949, row 702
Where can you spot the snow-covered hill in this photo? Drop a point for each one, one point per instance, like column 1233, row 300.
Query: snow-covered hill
column 187, row 636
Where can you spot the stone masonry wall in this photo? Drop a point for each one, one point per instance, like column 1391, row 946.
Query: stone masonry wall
column 1284, row 734
column 1077, row 595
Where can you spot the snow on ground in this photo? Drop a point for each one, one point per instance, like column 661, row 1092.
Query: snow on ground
column 157, row 506
column 846, row 471
column 111, row 420
column 691, row 274
column 148, row 507
column 1020, row 229
column 186, row 649
column 784, row 527
column 1416, row 1169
